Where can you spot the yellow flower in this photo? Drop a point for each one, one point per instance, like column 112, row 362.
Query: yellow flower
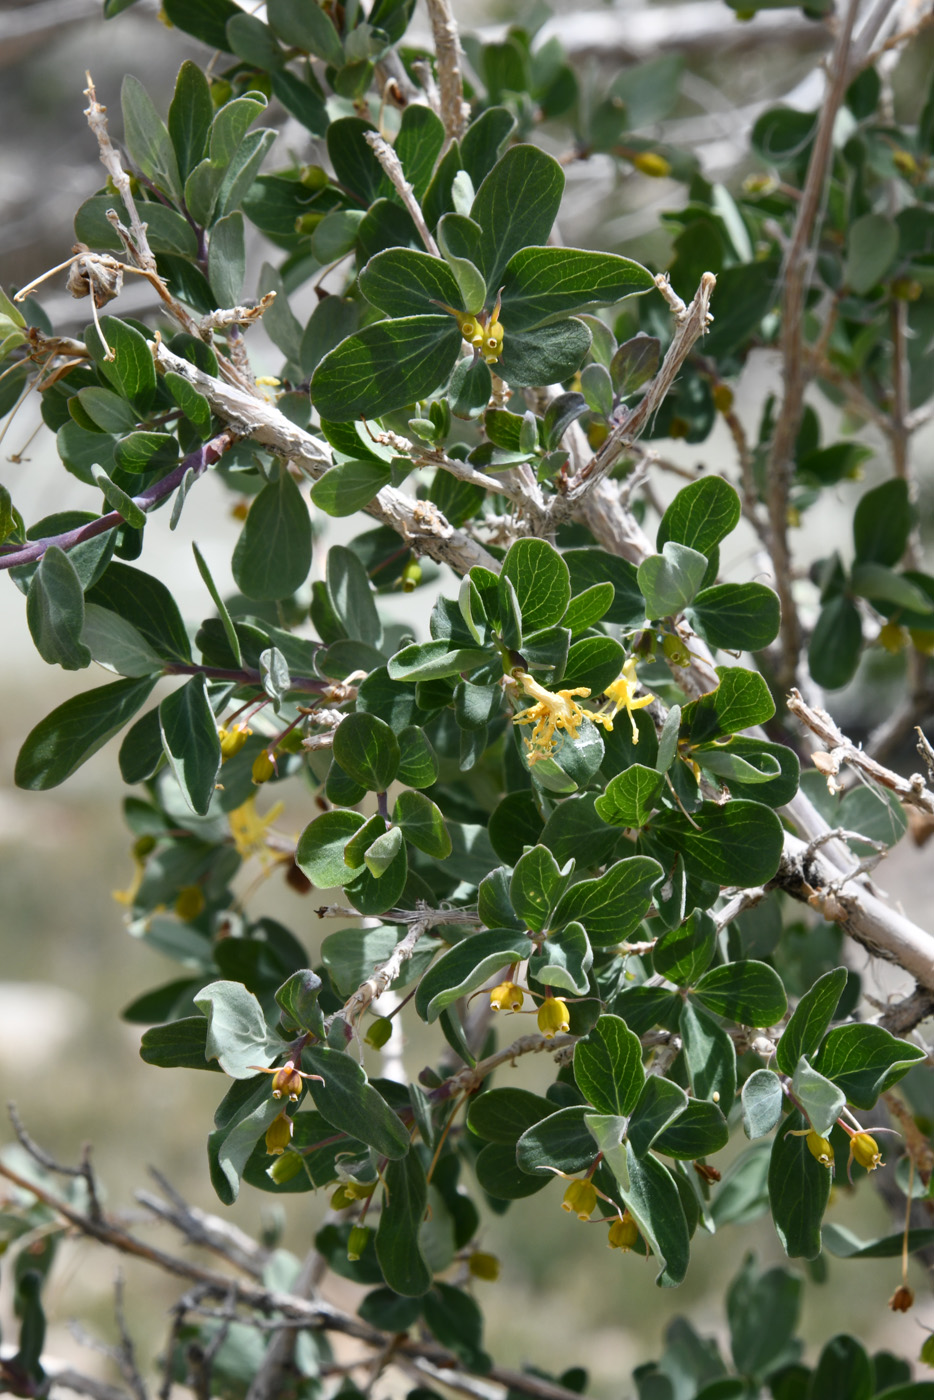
column 248, row 828
column 279, row 1134
column 553, row 711
column 507, row 996
column 581, row 1198
column 624, row 1233
column 263, row 767
column 232, row 740
column 357, row 1242
column 865, row 1150
column 622, row 694
column 820, row 1148
column 553, row 1017
column 483, row 1266
column 286, row 1080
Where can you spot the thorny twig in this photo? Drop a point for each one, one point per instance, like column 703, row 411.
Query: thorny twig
column 393, row 167
column 454, row 111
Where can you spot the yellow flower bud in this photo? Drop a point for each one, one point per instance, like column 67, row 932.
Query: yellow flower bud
column 351, row 1191
column 232, row 740
column 892, row 638
column 279, row 1134
column 471, row 329
column 285, row 1168
column 483, row 1266
column 580, row 1198
column 676, row 653
column 865, row 1150
column 287, row 1080
column 652, row 164
column 508, row 996
column 356, row 1242
column 820, row 1148
column 378, row 1032
column 492, row 342
column 263, row 767
column 722, row 398
column 189, row 902
column 906, row 288
column 624, row 1233
column 904, row 162
column 553, row 1017
column 411, row 576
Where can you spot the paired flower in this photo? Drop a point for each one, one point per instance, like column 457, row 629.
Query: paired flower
column 232, row 740
column 249, row 829
column 624, row 1232
column 482, row 331
column 556, row 711
column 287, row 1080
column 580, row 1198
column 508, row 996
column 279, row 1134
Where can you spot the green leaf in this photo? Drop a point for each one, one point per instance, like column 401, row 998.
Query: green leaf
column 541, row 580
column 131, row 371
column 499, row 1174
column 431, row 661
column 544, row 356
column 588, row 608
column 418, row 145
column 882, row 523
column 660, row 1103
column 349, row 486
column 741, row 700
column 741, row 616
column 516, row 205
column 574, row 831
column 418, row 763
column 654, row 1202
column 118, row 499
column 379, row 886
column 799, row 1188
column 882, row 585
column 763, row 1311
column 66, row 738
column 109, row 411
column 843, row 1371
column 320, row 849
column 237, row 1034
column 384, row 367
column 205, row 19
column 833, row 653
column 146, row 451
column 351, row 1104
column 564, row 960
column 148, row 604
column 709, row 1057
column 466, row 966
column 298, row 998
column 307, row 27
column 843, row 1244
column 872, row 248
column 194, row 405
column 748, row 992
column 421, row 822
column 563, row 1140
column 701, row 515
column 227, row 259
column 820, row 1101
column 683, row 953
column 630, row 797
column 190, row 115
column 403, row 282
column 810, row 1019
column 536, row 886
column 178, row 1045
column 608, row 1066
column 762, row 1103
column 147, row 138
column 166, row 230
column 405, row 1201
column 352, row 597
column 272, row 555
column 737, row 844
column 115, row 643
column 727, row 765
column 594, row 662
column 700, row 1131
column 611, row 907
column 503, row 1115
column 191, row 743
column 367, row 750
column 540, row 284
column 864, row 1061
column 670, row 580
column 55, row 612
column 596, row 566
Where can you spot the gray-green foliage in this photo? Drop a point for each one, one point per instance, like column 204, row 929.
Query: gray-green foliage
column 498, row 792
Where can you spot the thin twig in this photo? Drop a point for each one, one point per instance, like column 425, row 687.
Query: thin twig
column 85, row 1171
column 455, row 112
column 393, row 167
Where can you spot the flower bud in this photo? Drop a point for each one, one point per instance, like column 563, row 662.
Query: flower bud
column 263, row 767
column 906, row 288
column 357, row 1241
column 581, row 1198
column 902, row 1299
column 143, row 847
column 819, row 1148
column 508, row 996
column 865, row 1151
column 285, row 1168
column 652, row 164
column 313, row 177
column 553, row 1017
column 624, row 1233
column 279, row 1134
column 378, row 1032
column 483, row 1266
column 892, row 638
column 722, row 398
column 904, row 162
column 411, row 576
column 676, row 653
column 287, row 1080
column 927, row 1350
column 189, row 902
column 232, row 740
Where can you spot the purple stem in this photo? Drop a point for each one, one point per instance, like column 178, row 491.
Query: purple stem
column 197, row 462
column 311, row 684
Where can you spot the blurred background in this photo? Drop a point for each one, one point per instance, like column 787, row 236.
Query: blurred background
column 67, row 964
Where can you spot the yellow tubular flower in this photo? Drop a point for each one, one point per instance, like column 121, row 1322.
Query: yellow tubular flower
column 249, row 829
column 508, row 996
column 278, row 1135
column 622, row 695
column 263, row 767
column 581, row 1198
column 865, row 1150
column 624, row 1233
column 553, row 1017
column 357, row 1242
column 820, row 1148
column 232, row 740
column 553, row 711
